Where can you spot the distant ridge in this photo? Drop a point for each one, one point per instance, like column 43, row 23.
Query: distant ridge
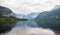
column 57, row 7
column 50, row 19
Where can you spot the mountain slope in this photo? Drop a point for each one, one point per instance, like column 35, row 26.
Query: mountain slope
column 50, row 19
column 32, row 15
column 4, row 11
column 28, row 16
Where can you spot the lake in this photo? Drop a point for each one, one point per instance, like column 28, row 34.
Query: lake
column 26, row 28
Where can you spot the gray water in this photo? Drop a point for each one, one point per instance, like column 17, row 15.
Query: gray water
column 29, row 28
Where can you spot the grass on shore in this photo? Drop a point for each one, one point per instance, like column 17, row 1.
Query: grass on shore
column 11, row 19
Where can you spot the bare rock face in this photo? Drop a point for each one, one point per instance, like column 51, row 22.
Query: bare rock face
column 6, row 12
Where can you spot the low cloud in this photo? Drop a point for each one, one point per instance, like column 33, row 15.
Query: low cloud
column 28, row 6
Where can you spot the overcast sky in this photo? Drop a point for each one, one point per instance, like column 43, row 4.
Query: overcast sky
column 28, row 6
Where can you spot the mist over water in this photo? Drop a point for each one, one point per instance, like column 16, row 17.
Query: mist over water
column 29, row 28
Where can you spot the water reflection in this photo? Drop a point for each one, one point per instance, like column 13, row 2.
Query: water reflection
column 48, row 25
column 30, row 31
column 6, row 26
column 29, row 28
column 52, row 26
column 27, row 24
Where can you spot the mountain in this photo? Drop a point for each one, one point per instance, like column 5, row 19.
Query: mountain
column 57, row 7
column 49, row 19
column 20, row 15
column 28, row 16
column 32, row 15
column 4, row 11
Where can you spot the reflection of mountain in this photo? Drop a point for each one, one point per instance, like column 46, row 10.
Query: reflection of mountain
column 50, row 19
column 6, row 26
column 27, row 24
column 29, row 28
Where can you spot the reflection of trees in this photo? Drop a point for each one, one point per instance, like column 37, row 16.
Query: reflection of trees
column 0, row 13
column 6, row 26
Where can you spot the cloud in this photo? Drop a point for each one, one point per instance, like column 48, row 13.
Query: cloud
column 30, row 31
column 28, row 6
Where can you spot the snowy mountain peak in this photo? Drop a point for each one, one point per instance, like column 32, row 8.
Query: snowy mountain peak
column 57, row 7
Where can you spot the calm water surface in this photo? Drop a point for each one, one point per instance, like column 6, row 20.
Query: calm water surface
column 28, row 28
